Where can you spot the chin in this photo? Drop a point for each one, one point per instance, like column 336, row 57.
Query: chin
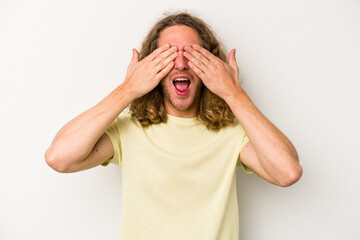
column 181, row 105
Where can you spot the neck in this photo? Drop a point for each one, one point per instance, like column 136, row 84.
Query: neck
column 180, row 113
column 189, row 112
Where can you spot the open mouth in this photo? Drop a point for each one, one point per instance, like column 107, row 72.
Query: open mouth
column 181, row 85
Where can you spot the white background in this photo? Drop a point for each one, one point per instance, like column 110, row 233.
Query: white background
column 300, row 64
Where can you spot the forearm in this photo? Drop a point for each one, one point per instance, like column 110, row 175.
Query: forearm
column 76, row 139
column 269, row 152
column 275, row 152
column 75, row 142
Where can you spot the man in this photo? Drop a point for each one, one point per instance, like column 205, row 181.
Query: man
column 182, row 139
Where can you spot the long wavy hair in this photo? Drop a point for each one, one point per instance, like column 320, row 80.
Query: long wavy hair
column 212, row 110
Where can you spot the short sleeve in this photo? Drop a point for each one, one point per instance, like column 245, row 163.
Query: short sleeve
column 113, row 131
column 244, row 141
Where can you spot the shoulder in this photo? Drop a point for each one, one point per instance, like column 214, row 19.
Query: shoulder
column 125, row 116
column 125, row 120
column 121, row 121
column 235, row 128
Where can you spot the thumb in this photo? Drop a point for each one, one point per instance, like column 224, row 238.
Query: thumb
column 135, row 57
column 232, row 59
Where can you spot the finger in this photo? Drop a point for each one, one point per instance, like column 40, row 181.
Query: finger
column 164, row 55
column 197, row 71
column 232, row 59
column 164, row 72
column 161, row 65
column 204, row 52
column 196, row 57
column 197, row 61
column 157, row 52
column 135, row 57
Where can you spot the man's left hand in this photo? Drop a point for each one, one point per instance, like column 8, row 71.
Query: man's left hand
column 219, row 77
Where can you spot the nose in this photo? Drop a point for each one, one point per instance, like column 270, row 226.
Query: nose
column 181, row 63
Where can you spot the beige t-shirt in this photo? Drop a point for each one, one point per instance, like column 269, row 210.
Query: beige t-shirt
column 179, row 179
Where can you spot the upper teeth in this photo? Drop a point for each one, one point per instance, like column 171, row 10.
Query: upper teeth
column 181, row 79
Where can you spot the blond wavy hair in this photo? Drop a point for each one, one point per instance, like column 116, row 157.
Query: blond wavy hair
column 212, row 110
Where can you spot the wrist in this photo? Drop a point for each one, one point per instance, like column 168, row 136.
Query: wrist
column 126, row 91
column 118, row 99
column 235, row 96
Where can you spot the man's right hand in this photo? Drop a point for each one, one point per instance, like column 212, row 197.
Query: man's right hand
column 144, row 76
column 82, row 143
